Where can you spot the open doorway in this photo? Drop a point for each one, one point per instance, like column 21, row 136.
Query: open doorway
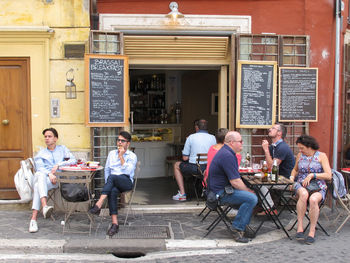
column 191, row 91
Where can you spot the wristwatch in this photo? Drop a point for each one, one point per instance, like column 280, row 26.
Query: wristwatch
column 314, row 175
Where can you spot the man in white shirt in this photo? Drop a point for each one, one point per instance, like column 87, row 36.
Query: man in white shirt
column 199, row 142
column 47, row 162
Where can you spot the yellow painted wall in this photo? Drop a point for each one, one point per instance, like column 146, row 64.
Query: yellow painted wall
column 24, row 27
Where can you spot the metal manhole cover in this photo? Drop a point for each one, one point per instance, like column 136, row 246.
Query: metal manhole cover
column 143, row 232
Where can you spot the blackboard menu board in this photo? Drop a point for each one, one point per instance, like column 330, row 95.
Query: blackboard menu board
column 256, row 94
column 298, row 94
column 106, row 90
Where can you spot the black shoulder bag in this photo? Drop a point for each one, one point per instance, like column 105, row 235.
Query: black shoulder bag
column 313, row 185
column 212, row 201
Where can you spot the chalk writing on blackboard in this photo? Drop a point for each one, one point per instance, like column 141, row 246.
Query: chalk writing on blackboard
column 107, row 90
column 298, row 94
column 256, row 94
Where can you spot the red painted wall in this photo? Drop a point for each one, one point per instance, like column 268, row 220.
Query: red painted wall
column 289, row 17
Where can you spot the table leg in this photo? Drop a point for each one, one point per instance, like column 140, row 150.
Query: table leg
column 269, row 211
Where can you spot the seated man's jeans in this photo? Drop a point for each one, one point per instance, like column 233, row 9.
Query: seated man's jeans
column 116, row 184
column 41, row 186
column 247, row 202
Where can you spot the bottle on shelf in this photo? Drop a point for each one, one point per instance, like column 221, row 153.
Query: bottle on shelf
column 274, row 171
column 265, row 172
column 162, row 117
column 247, row 160
column 178, row 111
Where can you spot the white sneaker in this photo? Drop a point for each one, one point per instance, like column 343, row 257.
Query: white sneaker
column 232, row 212
column 179, row 197
column 47, row 211
column 33, row 226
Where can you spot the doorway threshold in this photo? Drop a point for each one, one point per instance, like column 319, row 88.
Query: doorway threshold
column 188, row 207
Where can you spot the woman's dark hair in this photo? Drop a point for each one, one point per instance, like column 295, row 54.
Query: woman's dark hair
column 220, row 135
column 53, row 130
column 308, row 141
column 126, row 135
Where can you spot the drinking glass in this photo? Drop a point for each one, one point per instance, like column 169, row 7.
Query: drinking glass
column 256, row 167
column 66, row 156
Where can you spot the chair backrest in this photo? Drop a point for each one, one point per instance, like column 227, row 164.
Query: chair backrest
column 339, row 189
column 201, row 157
column 137, row 170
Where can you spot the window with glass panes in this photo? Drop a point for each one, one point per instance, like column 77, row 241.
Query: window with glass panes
column 106, row 42
column 291, row 51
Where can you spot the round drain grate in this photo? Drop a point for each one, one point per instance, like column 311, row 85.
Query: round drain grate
column 129, row 254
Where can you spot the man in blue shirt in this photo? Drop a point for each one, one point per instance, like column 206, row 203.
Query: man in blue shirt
column 279, row 151
column 224, row 173
column 119, row 177
column 47, row 162
column 199, row 142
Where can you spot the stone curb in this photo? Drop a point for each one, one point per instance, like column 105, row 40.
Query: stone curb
column 222, row 243
column 109, row 246
column 32, row 245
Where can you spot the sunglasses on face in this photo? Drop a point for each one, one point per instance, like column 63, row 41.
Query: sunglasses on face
column 121, row 140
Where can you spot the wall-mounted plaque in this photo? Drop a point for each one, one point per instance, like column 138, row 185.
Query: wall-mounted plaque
column 298, row 94
column 256, row 94
column 106, row 90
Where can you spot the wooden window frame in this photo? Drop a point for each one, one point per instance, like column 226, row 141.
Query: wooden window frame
column 119, row 42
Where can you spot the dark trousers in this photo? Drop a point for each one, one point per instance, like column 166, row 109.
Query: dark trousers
column 115, row 185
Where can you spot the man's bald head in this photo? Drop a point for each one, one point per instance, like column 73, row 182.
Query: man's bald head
column 234, row 140
column 232, row 136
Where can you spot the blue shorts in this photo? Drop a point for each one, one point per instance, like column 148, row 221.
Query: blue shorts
column 187, row 168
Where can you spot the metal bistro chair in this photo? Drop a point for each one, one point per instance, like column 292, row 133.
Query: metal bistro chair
column 222, row 211
column 342, row 197
column 321, row 205
column 198, row 178
column 128, row 196
column 82, row 179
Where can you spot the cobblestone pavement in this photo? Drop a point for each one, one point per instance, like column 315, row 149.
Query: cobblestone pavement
column 326, row 249
column 14, row 224
column 186, row 226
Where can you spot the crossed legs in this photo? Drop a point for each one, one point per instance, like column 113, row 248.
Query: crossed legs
column 115, row 184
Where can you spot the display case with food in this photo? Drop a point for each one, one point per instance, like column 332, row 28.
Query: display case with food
column 152, row 143
column 152, row 134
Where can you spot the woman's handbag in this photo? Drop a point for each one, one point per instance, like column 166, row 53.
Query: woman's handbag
column 313, row 187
